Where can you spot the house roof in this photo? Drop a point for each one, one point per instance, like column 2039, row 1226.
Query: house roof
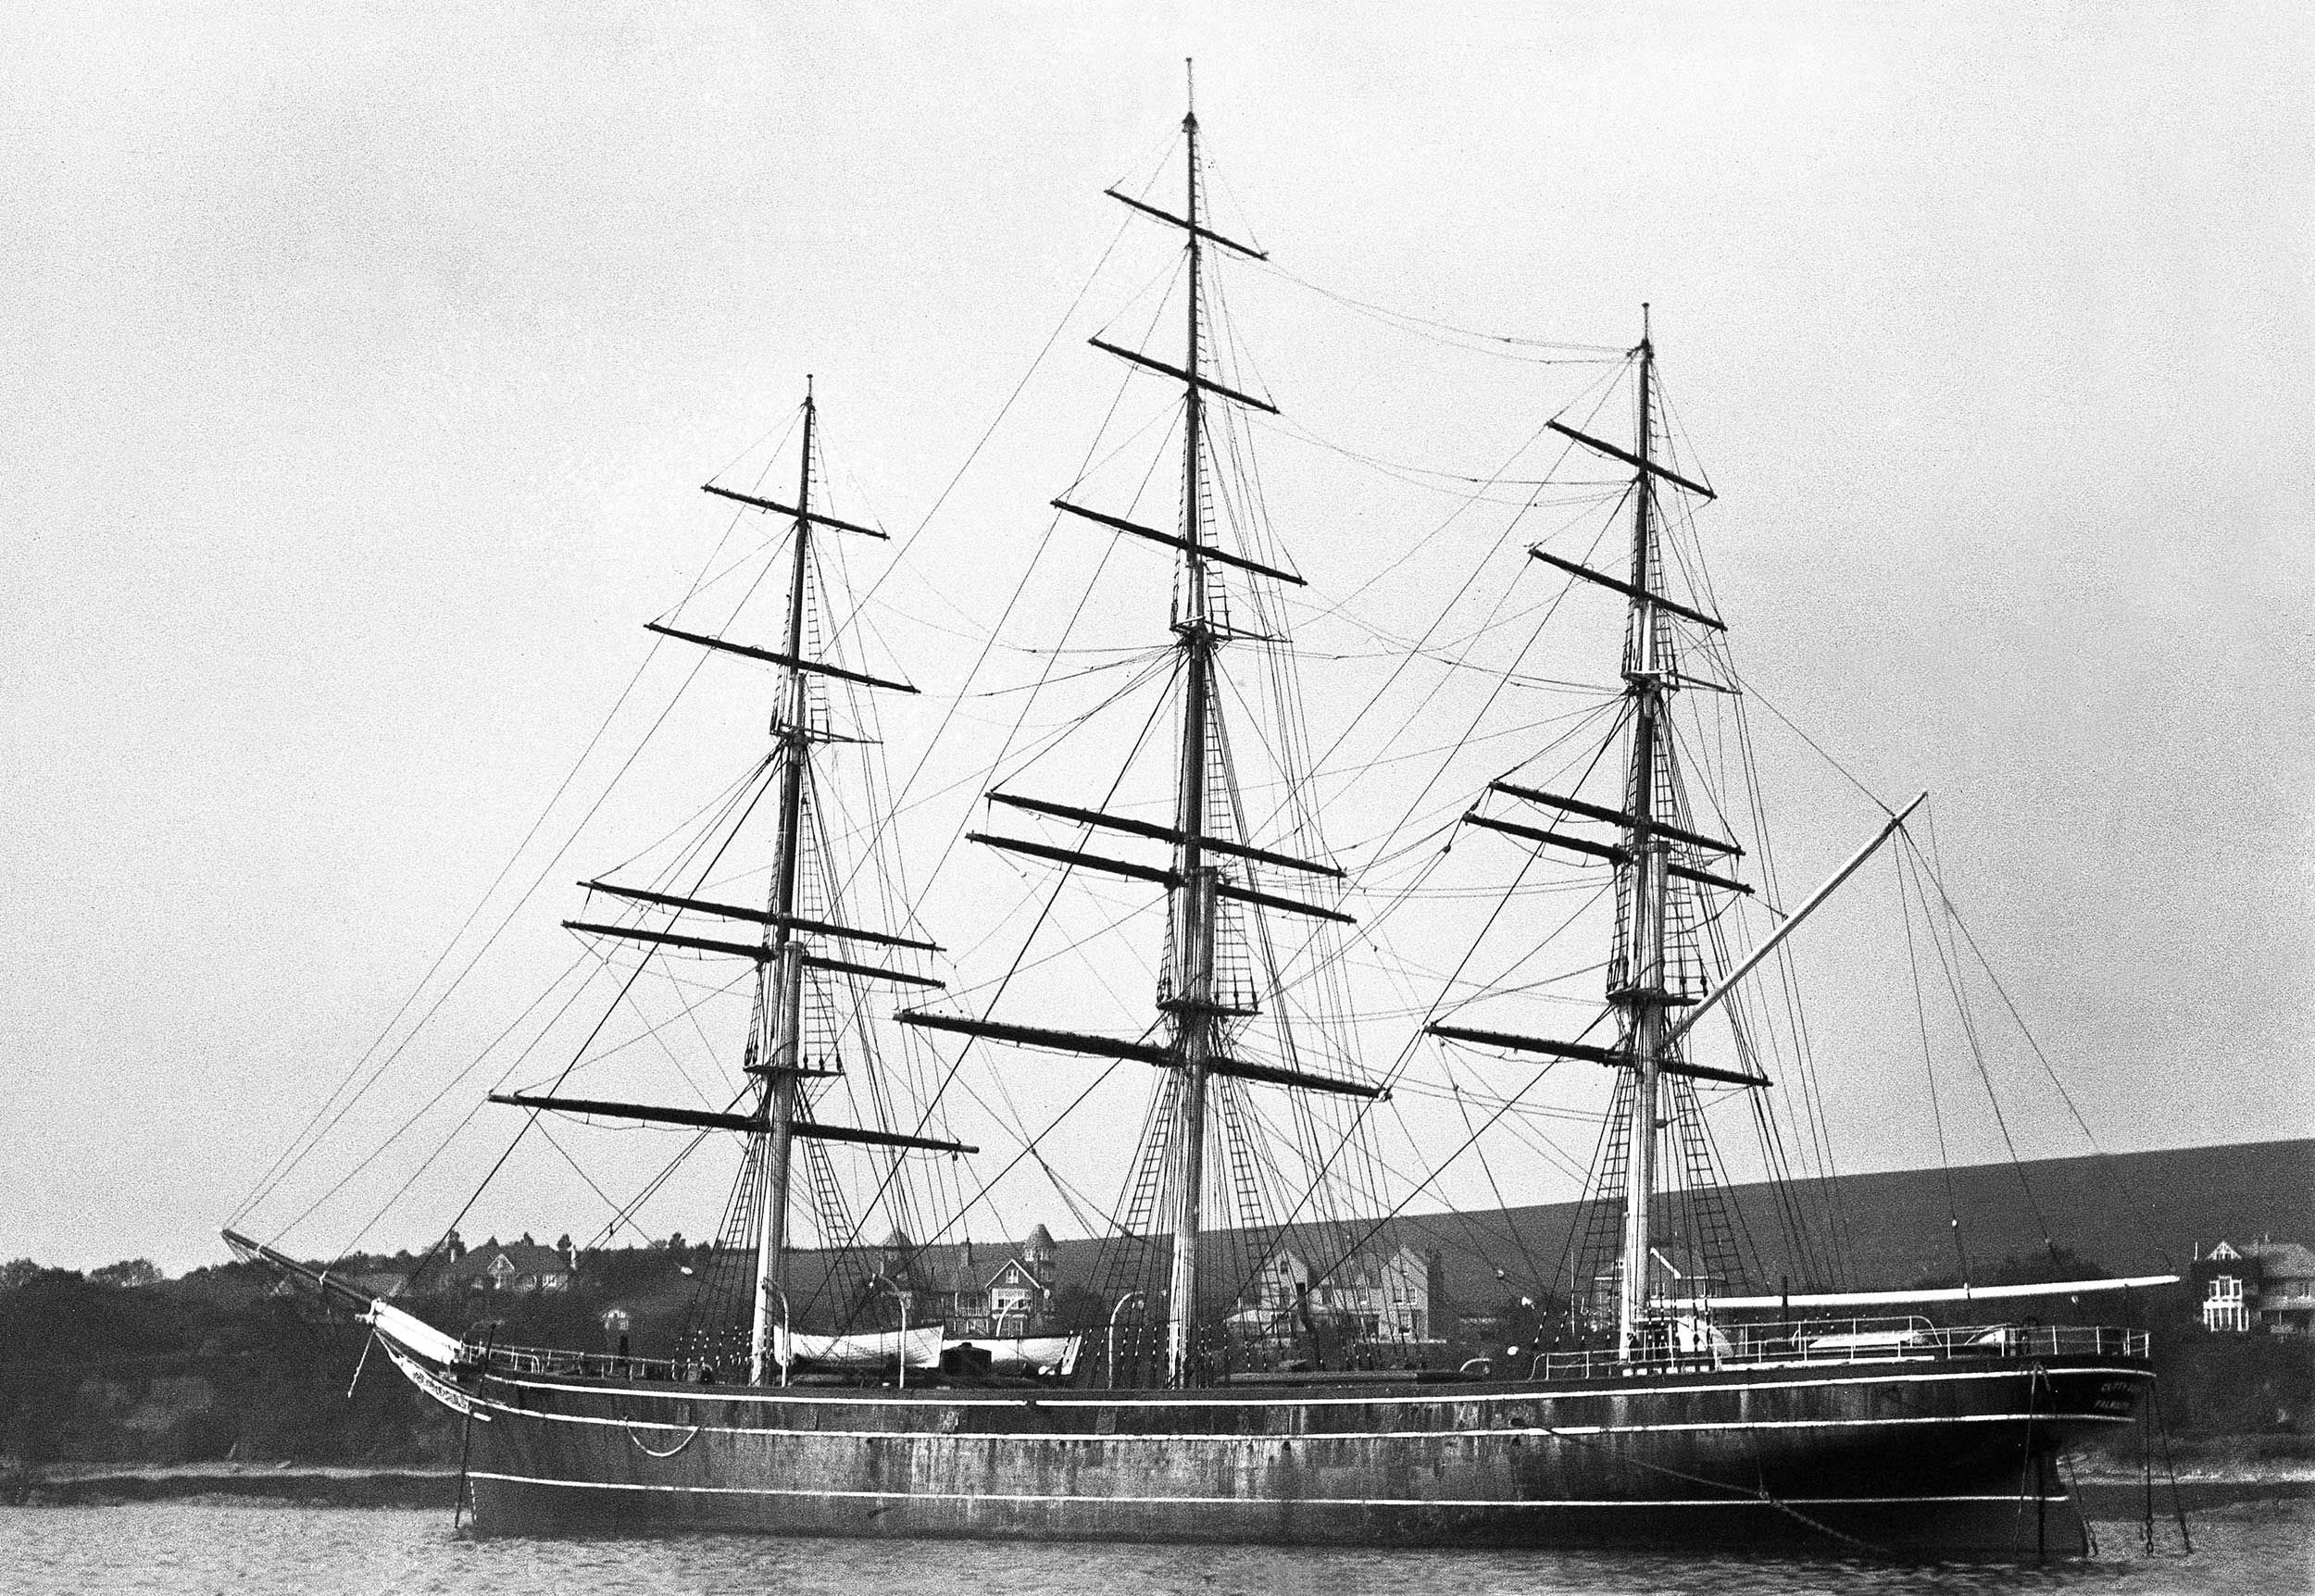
column 1364, row 1262
column 955, row 1268
column 523, row 1257
column 2286, row 1258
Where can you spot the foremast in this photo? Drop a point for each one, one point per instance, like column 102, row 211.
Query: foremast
column 792, row 938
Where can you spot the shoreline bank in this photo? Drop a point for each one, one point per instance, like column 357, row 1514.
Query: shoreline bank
column 295, row 1485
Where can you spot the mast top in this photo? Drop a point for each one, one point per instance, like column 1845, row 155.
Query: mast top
column 1189, row 70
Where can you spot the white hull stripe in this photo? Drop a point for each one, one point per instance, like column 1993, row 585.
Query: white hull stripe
column 1304, row 1501
column 1054, row 1401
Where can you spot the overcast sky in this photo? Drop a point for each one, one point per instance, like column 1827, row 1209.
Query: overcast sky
column 362, row 363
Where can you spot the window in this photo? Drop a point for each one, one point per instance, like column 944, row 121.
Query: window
column 2226, row 1289
column 1008, row 1307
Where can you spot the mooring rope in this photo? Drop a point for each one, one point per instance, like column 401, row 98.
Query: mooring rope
column 679, row 1446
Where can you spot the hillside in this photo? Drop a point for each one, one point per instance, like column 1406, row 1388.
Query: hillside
column 215, row 1366
column 2132, row 1213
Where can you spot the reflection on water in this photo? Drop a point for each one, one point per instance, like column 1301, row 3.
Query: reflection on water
column 185, row 1547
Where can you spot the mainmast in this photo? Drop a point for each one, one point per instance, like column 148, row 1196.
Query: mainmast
column 1646, row 852
column 780, row 990
column 1192, row 976
column 1207, row 864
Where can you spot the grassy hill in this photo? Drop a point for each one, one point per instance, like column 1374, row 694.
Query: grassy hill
column 2132, row 1213
column 215, row 1366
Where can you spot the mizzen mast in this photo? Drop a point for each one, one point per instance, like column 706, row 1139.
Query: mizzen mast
column 1643, row 995
column 1655, row 849
column 780, row 980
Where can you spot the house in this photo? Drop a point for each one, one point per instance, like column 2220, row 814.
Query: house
column 1383, row 1292
column 996, row 1293
column 2263, row 1285
column 521, row 1265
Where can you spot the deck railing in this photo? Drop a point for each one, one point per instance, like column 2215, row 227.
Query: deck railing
column 502, row 1359
column 1697, row 1345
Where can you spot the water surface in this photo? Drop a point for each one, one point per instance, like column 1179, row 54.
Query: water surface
column 252, row 1550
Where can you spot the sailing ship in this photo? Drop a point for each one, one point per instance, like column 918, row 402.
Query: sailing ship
column 1676, row 1408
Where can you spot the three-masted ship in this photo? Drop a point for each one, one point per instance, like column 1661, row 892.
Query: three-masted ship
column 1676, row 1410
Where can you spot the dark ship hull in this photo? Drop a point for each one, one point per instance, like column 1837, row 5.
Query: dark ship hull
column 1946, row 1454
